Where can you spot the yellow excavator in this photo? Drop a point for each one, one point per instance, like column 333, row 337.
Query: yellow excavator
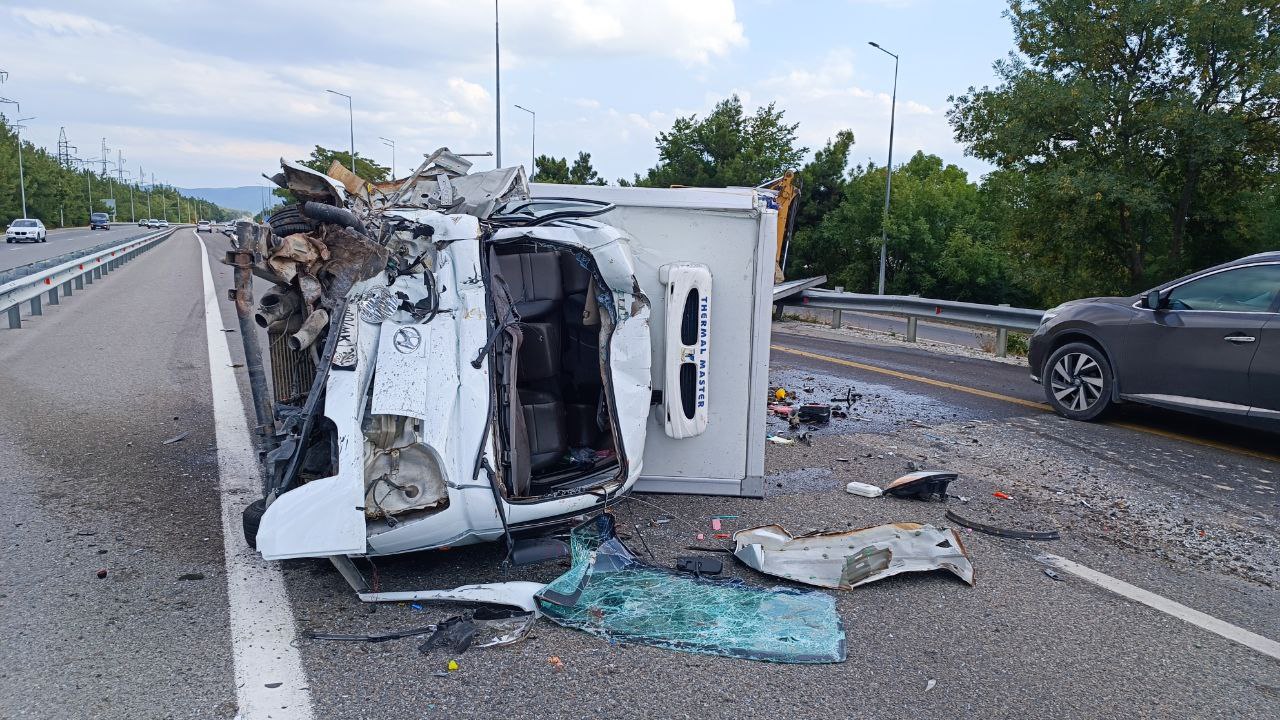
column 788, row 200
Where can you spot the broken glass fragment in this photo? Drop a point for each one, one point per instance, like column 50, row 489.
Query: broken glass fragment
column 611, row 593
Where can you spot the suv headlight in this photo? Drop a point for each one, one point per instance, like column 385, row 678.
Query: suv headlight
column 1050, row 314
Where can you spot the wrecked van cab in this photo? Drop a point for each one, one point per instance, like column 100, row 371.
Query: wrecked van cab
column 478, row 375
column 456, row 359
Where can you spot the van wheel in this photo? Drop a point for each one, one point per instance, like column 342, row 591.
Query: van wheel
column 1078, row 381
column 250, row 518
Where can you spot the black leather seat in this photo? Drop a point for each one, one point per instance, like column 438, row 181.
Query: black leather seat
column 533, row 279
column 539, row 352
column 544, row 424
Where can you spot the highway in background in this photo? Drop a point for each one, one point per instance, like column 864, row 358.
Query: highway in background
column 64, row 241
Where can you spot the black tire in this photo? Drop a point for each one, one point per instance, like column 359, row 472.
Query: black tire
column 250, row 518
column 290, row 220
column 1078, row 382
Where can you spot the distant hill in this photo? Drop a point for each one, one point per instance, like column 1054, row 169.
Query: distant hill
column 247, row 198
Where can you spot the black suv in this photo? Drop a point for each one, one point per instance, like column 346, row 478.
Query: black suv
column 1207, row 343
column 99, row 220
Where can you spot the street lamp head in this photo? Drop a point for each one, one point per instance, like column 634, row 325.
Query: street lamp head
column 873, row 44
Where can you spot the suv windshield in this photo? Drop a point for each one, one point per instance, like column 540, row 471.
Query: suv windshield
column 98, row 216
column 24, row 223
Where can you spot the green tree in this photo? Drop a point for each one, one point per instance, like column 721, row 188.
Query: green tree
column 1140, row 128
column 943, row 239
column 727, row 147
column 558, row 170
column 551, row 170
column 322, row 157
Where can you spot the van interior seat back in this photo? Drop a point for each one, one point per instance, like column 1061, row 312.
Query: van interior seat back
column 533, row 280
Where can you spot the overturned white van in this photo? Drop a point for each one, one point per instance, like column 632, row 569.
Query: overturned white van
column 457, row 357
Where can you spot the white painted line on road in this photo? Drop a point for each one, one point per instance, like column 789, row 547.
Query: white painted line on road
column 270, row 681
column 1253, row 641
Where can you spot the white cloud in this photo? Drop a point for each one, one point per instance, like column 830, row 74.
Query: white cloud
column 62, row 23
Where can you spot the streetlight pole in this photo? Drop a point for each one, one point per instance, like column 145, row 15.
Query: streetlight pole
column 392, row 143
column 351, row 124
column 22, row 180
column 533, row 141
column 497, row 90
column 888, row 171
column 133, row 217
column 143, row 179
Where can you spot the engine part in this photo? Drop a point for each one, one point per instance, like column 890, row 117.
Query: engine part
column 311, row 328
column 278, row 304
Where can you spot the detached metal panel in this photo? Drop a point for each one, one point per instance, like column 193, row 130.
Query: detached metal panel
column 731, row 232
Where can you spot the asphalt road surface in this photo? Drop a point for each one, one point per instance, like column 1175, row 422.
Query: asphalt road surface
column 64, row 241
column 1181, row 509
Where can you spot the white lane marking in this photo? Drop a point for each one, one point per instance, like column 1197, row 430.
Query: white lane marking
column 1253, row 641
column 262, row 626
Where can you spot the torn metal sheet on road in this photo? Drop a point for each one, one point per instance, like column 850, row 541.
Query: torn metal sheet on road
column 845, row 560
column 611, row 593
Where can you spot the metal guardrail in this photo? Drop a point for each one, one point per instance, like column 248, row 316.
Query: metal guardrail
column 784, row 290
column 63, row 279
column 1001, row 317
column 7, row 276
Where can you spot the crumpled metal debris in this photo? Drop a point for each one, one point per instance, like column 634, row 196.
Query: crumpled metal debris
column 845, row 560
column 611, row 593
column 485, row 627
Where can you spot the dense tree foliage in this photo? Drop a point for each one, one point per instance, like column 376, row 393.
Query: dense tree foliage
column 1145, row 135
column 558, row 170
column 60, row 196
column 727, row 147
column 322, row 157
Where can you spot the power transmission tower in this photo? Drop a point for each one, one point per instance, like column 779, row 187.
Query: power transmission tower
column 64, row 148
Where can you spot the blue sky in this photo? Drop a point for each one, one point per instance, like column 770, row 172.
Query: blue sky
column 206, row 93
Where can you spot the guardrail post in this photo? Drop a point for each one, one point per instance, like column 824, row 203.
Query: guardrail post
column 97, row 272
column 66, row 288
column 1002, row 338
column 912, row 326
column 79, row 280
column 35, row 306
column 835, row 314
column 88, row 276
column 53, row 295
column 15, row 317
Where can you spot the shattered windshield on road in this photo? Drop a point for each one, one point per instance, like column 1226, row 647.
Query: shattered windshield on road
column 610, row 592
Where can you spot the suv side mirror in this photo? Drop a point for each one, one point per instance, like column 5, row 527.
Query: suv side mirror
column 1153, row 300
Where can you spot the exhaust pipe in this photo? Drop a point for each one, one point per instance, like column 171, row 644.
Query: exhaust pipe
column 276, row 305
column 315, row 323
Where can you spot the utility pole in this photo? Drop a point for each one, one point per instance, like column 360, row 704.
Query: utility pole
column 888, row 171
column 120, row 177
column 104, row 157
column 142, row 177
column 22, row 180
column 497, row 90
